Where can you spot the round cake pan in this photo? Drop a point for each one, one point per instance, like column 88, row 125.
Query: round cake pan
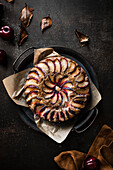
column 25, row 60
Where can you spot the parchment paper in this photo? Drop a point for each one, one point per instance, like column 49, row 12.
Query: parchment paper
column 14, row 86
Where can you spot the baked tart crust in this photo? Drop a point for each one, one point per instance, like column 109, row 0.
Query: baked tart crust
column 57, row 89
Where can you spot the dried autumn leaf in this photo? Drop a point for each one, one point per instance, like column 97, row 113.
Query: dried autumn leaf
column 26, row 16
column 10, row 0
column 22, row 35
column 46, row 22
column 83, row 39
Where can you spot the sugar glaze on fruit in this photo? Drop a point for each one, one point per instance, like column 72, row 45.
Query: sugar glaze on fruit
column 57, row 89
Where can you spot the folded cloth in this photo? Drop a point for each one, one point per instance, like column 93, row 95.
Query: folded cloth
column 102, row 149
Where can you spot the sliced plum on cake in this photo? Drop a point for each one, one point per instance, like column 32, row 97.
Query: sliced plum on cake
column 64, row 64
column 72, row 67
column 51, row 65
column 44, row 67
column 58, row 66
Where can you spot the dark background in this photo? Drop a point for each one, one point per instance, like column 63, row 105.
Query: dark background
column 20, row 146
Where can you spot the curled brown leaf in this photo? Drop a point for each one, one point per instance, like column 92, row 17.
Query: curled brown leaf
column 46, row 22
column 26, row 16
column 10, row 0
column 22, row 35
column 83, row 39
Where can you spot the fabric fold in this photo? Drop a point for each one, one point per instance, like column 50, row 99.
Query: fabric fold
column 70, row 160
column 101, row 148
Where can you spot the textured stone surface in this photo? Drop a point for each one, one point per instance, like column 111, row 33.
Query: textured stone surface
column 20, row 146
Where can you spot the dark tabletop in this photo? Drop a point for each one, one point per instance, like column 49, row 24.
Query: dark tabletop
column 20, row 146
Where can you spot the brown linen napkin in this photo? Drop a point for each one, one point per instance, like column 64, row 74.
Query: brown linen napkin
column 102, row 149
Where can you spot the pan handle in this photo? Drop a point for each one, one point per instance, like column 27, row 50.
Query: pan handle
column 85, row 124
column 19, row 57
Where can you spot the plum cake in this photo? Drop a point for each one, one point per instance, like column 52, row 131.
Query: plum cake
column 57, row 89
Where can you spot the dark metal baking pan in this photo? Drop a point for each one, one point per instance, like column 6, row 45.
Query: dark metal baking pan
column 25, row 60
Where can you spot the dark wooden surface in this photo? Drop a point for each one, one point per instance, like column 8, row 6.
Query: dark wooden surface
column 20, row 146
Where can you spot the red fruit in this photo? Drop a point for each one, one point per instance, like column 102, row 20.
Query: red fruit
column 6, row 32
column 91, row 163
column 2, row 56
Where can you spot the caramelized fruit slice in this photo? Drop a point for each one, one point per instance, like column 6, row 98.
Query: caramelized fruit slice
column 33, row 74
column 44, row 66
column 54, row 99
column 51, row 65
column 31, row 95
column 64, row 64
column 63, row 80
column 76, row 72
column 31, row 81
column 49, row 96
column 34, row 101
column 64, row 97
column 47, row 90
column 57, row 78
column 78, row 104
column 83, row 85
column 57, row 66
column 72, row 67
column 80, row 78
column 39, row 71
column 67, row 84
column 82, row 91
column 49, row 84
column 37, row 108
